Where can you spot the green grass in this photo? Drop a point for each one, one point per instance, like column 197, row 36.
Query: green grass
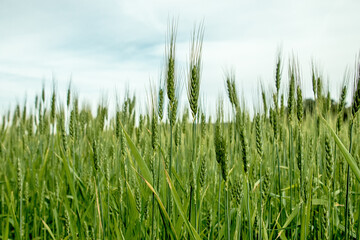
column 68, row 174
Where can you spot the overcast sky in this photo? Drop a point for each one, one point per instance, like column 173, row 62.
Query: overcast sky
column 108, row 46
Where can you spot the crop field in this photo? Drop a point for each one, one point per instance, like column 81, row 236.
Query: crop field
column 288, row 171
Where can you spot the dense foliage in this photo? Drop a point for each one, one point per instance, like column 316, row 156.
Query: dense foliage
column 282, row 173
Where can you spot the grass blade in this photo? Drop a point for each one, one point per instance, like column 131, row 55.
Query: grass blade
column 176, row 197
column 48, row 229
column 349, row 158
column 139, row 160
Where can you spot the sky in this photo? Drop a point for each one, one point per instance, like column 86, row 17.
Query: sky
column 108, row 47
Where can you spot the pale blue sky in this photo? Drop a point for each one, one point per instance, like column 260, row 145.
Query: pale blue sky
column 106, row 46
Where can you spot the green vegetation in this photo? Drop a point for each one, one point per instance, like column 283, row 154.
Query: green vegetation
column 289, row 172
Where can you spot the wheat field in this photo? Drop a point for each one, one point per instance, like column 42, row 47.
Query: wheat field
column 289, row 171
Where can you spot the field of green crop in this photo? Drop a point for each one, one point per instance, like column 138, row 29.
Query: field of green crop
column 291, row 171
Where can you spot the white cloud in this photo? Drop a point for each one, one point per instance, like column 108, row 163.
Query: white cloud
column 108, row 44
